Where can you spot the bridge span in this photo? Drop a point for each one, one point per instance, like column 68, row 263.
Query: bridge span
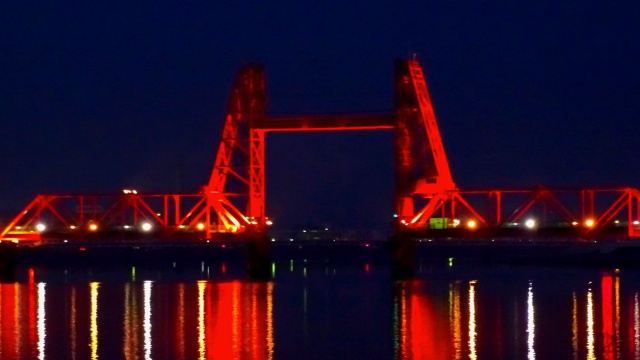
column 428, row 203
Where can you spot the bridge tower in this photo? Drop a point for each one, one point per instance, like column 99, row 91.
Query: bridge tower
column 422, row 168
column 235, row 191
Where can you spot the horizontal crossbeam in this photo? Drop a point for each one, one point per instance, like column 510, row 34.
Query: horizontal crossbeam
column 337, row 122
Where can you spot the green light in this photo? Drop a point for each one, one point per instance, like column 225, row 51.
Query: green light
column 450, row 261
column 291, row 265
column 304, row 271
column 133, row 273
column 273, row 269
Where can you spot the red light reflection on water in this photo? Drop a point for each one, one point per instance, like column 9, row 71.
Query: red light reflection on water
column 607, row 318
column 159, row 321
column 19, row 336
column 207, row 320
column 420, row 324
column 9, row 341
column 238, row 321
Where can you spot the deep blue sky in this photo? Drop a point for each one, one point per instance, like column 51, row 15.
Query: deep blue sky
column 132, row 94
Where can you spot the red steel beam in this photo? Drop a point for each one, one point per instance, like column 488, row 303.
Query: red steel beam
column 422, row 174
column 336, row 122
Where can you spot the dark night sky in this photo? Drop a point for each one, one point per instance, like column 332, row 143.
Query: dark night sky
column 102, row 97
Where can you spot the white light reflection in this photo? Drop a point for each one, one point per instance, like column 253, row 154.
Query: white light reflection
column 147, row 319
column 530, row 324
column 201, row 345
column 591, row 355
column 93, row 321
column 41, row 318
column 472, row 320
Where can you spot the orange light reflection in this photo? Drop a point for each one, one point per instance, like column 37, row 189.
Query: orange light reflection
column 131, row 323
column 455, row 319
column 93, row 327
column 574, row 326
column 636, row 325
column 591, row 354
column 72, row 321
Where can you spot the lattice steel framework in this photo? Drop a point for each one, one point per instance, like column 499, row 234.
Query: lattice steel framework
column 427, row 201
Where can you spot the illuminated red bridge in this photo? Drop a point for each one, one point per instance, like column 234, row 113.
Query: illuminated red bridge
column 427, row 201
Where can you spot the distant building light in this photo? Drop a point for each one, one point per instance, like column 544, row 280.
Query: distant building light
column 146, row 227
column 589, row 223
column 636, row 222
column 93, row 227
column 575, row 223
column 269, row 222
column 471, row 224
column 200, row 226
column 456, row 222
column 41, row 227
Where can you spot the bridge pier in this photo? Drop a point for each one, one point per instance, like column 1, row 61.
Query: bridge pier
column 403, row 250
column 259, row 260
column 7, row 261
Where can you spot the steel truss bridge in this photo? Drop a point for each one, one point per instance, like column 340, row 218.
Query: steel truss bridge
column 427, row 201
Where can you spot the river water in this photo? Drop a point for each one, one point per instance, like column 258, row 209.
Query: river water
column 320, row 309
